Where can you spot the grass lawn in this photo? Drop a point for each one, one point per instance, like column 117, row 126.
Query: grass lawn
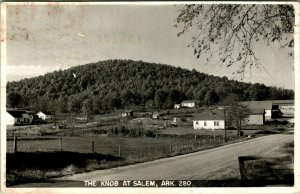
column 272, row 167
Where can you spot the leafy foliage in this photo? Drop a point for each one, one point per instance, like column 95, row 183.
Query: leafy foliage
column 229, row 31
column 114, row 84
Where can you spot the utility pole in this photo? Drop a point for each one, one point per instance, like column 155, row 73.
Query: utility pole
column 225, row 135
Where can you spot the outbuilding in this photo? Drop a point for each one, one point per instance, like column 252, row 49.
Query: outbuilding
column 45, row 115
column 254, row 117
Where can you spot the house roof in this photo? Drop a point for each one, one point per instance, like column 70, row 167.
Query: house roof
column 188, row 101
column 255, row 111
column 283, row 101
column 267, row 105
column 127, row 111
column 46, row 112
column 17, row 113
column 209, row 115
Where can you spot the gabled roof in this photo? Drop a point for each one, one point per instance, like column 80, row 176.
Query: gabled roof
column 209, row 115
column 46, row 112
column 127, row 111
column 189, row 101
column 255, row 111
column 267, row 105
column 17, row 113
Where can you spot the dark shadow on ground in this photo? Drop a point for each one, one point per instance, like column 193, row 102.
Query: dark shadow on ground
column 26, row 167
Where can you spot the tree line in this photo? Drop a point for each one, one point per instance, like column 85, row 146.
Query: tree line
column 115, row 84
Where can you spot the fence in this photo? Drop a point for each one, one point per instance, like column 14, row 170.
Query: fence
column 128, row 148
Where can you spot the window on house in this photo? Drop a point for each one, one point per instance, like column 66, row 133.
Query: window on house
column 204, row 123
column 18, row 120
column 196, row 122
column 216, row 123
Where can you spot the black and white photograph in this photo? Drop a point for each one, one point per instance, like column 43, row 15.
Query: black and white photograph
column 149, row 96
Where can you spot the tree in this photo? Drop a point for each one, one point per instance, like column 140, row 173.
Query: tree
column 235, row 112
column 229, row 31
column 14, row 100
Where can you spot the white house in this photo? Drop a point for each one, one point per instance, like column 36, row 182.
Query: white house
column 127, row 113
column 44, row 115
column 209, row 119
column 17, row 117
column 188, row 103
column 177, row 106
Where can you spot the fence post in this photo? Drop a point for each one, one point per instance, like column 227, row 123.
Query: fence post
column 120, row 151
column 93, row 146
column 141, row 152
column 60, row 144
column 171, row 149
column 15, row 144
column 156, row 135
column 195, row 137
column 242, row 168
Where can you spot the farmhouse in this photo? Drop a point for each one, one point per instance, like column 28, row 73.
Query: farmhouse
column 266, row 105
column 128, row 113
column 177, row 106
column 45, row 115
column 254, row 117
column 209, row 119
column 18, row 117
column 188, row 103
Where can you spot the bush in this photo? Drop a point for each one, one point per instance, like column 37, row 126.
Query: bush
column 150, row 134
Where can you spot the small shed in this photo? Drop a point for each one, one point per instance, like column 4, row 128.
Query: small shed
column 155, row 115
column 177, row 106
column 45, row 115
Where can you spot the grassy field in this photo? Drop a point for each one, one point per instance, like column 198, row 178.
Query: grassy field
column 108, row 141
column 77, row 154
column 274, row 167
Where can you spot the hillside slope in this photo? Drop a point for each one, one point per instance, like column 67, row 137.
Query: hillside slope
column 125, row 83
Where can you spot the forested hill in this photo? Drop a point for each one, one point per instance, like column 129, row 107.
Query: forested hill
column 125, row 83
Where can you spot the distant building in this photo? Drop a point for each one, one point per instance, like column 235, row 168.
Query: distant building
column 45, row 115
column 266, row 105
column 127, row 113
column 18, row 117
column 155, row 115
column 209, row 119
column 188, row 103
column 273, row 108
column 177, row 106
column 254, row 117
column 286, row 107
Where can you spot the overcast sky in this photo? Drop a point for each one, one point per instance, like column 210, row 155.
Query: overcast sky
column 45, row 38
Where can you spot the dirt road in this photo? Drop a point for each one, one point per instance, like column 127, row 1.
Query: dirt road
column 193, row 166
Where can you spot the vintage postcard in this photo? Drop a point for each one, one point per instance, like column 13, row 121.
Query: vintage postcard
column 150, row 97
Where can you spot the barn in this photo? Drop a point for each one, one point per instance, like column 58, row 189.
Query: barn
column 254, row 117
column 266, row 105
